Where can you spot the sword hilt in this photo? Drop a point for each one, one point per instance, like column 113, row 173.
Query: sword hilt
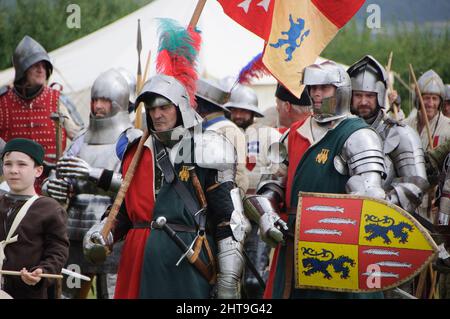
column 161, row 222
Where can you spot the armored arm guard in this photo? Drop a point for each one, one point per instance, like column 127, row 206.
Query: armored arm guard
column 362, row 158
column 404, row 147
column 231, row 264
column 216, row 153
column 263, row 208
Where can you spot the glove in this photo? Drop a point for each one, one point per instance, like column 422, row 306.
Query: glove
column 269, row 231
column 74, row 167
column 263, row 211
column 231, row 263
column 95, row 247
column 58, row 189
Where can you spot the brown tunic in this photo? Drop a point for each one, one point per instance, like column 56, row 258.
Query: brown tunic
column 42, row 243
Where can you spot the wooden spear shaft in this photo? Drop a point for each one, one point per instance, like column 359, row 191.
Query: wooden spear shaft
column 422, row 108
column 124, row 187
column 391, row 87
column 147, row 66
column 197, row 12
column 109, row 224
column 138, row 118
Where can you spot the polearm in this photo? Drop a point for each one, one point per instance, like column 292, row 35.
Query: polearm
column 109, row 224
column 138, row 111
column 197, row 12
column 390, row 86
column 138, row 118
column 147, row 66
column 422, row 108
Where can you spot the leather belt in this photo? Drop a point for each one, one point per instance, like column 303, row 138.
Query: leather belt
column 175, row 227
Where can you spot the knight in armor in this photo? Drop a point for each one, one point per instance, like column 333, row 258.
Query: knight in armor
column 211, row 98
column 432, row 90
column 25, row 108
column 87, row 177
column 131, row 80
column 243, row 106
column 163, row 187
column 404, row 160
column 350, row 161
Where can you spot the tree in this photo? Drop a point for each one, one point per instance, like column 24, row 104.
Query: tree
column 45, row 21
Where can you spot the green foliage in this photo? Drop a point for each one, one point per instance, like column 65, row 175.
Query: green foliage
column 45, row 21
column 424, row 46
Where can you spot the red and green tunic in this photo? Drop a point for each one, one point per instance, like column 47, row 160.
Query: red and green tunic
column 147, row 267
column 310, row 172
column 139, row 202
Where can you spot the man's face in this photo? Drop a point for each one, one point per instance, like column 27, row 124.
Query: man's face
column 101, row 107
column 364, row 103
column 36, row 74
column 431, row 103
column 20, row 172
column 320, row 92
column 163, row 117
column 242, row 118
column 446, row 109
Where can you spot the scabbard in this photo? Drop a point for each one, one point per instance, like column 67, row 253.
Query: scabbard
column 205, row 270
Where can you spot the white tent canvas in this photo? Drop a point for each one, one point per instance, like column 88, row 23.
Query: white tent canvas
column 226, row 48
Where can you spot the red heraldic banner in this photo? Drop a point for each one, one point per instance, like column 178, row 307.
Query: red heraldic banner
column 295, row 31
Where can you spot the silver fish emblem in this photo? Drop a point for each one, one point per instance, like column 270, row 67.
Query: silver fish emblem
column 344, row 221
column 381, row 252
column 393, row 264
column 321, row 231
column 329, row 209
column 381, row 274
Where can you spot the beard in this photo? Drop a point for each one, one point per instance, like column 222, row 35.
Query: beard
column 242, row 123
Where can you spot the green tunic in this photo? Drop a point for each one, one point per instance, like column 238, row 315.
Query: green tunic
column 160, row 277
column 316, row 173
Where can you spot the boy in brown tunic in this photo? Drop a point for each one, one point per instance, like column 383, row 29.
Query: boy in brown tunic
column 37, row 242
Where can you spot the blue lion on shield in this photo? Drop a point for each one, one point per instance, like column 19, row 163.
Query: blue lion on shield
column 380, row 227
column 326, row 259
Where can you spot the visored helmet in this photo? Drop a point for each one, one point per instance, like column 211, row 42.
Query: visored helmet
column 368, row 75
column 334, row 107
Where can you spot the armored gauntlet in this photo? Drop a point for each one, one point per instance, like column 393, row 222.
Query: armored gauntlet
column 95, row 247
column 263, row 212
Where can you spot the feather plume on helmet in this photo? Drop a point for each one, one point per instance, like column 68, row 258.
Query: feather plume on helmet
column 176, row 78
column 177, row 54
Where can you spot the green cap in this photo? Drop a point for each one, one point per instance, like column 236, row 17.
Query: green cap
column 27, row 146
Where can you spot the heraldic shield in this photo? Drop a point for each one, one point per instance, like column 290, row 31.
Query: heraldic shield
column 357, row 244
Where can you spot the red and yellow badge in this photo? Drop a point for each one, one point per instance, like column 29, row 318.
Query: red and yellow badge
column 357, row 244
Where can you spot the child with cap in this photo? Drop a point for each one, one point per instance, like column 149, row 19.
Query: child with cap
column 33, row 234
